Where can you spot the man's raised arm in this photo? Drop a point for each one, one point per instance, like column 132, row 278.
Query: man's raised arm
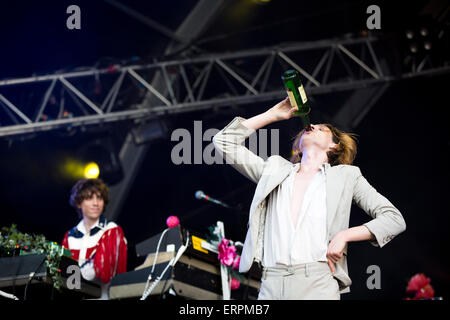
column 229, row 141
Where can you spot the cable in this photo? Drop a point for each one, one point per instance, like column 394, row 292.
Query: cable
column 8, row 295
column 154, row 260
column 31, row 278
column 170, row 264
column 165, row 281
column 186, row 235
column 163, row 289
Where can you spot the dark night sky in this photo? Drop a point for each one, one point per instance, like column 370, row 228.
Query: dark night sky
column 403, row 141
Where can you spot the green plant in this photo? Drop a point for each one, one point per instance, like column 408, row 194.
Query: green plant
column 14, row 242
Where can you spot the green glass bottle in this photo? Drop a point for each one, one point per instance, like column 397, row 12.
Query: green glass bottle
column 297, row 96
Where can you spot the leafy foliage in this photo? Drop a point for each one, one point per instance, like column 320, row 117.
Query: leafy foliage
column 13, row 242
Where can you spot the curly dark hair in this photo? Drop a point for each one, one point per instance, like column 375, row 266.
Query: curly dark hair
column 84, row 189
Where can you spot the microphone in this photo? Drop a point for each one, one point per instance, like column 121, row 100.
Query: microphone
column 200, row 195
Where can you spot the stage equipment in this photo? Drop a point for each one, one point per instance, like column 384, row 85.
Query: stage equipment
column 27, row 275
column 196, row 274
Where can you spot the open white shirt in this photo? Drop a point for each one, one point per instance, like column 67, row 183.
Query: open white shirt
column 284, row 244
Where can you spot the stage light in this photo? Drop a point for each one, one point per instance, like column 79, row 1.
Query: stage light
column 91, row 171
column 409, row 34
column 422, row 43
column 424, row 32
column 101, row 151
column 413, row 48
column 72, row 168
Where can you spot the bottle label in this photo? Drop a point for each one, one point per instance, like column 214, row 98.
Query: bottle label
column 302, row 94
column 292, row 99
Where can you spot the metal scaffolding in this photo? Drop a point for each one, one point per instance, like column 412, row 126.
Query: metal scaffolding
column 185, row 89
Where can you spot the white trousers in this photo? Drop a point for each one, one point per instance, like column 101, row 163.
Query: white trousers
column 308, row 281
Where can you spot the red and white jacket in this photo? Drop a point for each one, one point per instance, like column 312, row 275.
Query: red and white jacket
column 102, row 253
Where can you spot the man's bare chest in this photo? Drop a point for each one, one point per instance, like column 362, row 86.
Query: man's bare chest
column 301, row 183
column 300, row 186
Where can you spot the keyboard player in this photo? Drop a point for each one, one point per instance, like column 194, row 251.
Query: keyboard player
column 99, row 245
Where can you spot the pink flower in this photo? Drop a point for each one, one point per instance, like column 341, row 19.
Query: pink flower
column 427, row 292
column 226, row 253
column 417, row 282
column 236, row 263
column 172, row 221
column 235, row 284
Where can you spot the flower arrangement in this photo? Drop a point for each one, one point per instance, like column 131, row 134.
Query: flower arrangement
column 227, row 256
column 14, row 242
column 419, row 288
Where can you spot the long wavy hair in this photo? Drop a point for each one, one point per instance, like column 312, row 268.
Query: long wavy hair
column 344, row 153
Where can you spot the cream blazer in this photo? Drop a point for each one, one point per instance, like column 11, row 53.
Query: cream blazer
column 344, row 185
